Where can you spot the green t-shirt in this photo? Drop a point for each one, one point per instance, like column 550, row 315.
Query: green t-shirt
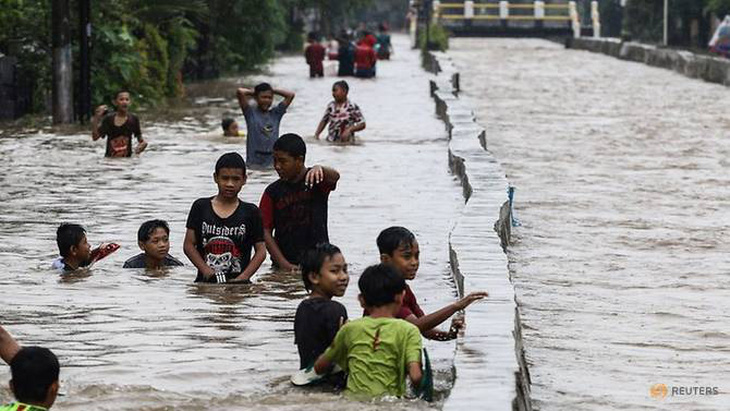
column 19, row 406
column 375, row 352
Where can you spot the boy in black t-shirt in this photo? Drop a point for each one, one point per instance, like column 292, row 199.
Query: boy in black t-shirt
column 222, row 230
column 318, row 318
column 294, row 208
column 118, row 128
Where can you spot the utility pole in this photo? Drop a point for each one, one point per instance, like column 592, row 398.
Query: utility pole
column 63, row 111
column 84, row 109
column 666, row 23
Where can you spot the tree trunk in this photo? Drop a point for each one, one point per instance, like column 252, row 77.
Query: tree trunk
column 62, row 63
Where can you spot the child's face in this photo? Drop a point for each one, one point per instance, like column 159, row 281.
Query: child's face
column 264, row 99
column 287, row 166
column 158, row 245
column 229, row 181
column 339, row 94
column 122, row 101
column 82, row 251
column 232, row 129
column 405, row 259
column 332, row 278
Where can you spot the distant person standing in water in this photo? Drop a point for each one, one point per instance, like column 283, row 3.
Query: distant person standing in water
column 314, row 54
column 345, row 56
column 262, row 121
column 118, row 127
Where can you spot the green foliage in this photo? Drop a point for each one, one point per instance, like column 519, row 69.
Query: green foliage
column 438, row 38
column 719, row 7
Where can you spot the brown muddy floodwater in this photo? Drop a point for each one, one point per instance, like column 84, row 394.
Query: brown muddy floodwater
column 621, row 265
column 128, row 339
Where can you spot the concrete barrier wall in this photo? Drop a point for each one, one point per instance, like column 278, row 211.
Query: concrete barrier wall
column 708, row 68
column 491, row 373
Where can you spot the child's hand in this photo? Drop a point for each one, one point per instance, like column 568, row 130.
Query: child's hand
column 208, row 272
column 314, row 176
column 466, row 301
column 100, row 110
column 346, row 134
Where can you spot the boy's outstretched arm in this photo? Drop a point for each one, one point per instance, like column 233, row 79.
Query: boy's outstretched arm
column 415, row 373
column 8, row 346
column 244, row 95
column 194, row 256
column 320, row 174
column 288, row 95
column 426, row 323
column 258, row 258
column 276, row 253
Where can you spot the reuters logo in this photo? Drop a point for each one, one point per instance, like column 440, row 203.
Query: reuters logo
column 658, row 391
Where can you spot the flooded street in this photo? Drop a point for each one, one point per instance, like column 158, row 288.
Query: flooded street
column 621, row 264
column 127, row 339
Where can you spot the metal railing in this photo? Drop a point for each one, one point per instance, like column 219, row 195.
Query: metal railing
column 506, row 11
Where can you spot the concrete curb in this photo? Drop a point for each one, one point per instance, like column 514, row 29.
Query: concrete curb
column 489, row 360
column 708, row 68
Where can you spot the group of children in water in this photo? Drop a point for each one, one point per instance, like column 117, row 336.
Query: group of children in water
column 227, row 240
column 357, row 59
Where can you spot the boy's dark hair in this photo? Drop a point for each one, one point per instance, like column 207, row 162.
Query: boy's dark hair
column 226, row 123
column 68, row 235
column 313, row 259
column 262, row 87
column 230, row 160
column 393, row 237
column 343, row 85
column 313, row 36
column 379, row 284
column 291, row 144
column 146, row 229
column 33, row 370
column 120, row 91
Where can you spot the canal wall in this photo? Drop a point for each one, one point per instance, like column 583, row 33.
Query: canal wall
column 489, row 360
column 709, row 68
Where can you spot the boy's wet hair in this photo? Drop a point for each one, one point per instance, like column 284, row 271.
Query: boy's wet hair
column 68, row 235
column 313, row 259
column 379, row 284
column 230, row 160
column 292, row 144
column 261, row 88
column 226, row 122
column 343, row 85
column 33, row 370
column 393, row 237
column 148, row 227
column 120, row 91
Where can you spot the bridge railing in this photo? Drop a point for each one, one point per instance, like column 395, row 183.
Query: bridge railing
column 505, row 11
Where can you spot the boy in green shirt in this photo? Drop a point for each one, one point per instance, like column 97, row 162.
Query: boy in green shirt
column 379, row 350
column 34, row 382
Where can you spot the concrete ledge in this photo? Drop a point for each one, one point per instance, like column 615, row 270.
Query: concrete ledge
column 491, row 373
column 709, row 68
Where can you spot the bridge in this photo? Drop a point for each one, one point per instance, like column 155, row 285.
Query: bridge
column 515, row 19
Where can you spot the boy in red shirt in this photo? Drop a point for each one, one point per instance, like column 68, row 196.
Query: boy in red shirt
column 314, row 53
column 399, row 248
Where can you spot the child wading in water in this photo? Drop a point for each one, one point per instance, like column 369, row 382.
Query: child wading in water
column 262, row 121
column 344, row 116
column 153, row 238
column 118, row 128
column 222, row 230
column 377, row 351
column 398, row 247
column 294, row 207
column 314, row 54
column 318, row 318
